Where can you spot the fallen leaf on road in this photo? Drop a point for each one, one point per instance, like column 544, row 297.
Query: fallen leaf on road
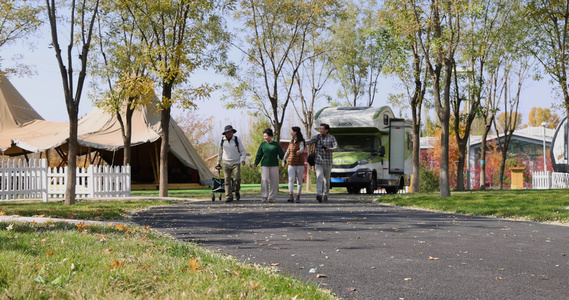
column 408, row 279
column 351, row 289
column 433, row 258
column 321, row 276
column 500, row 278
column 275, row 264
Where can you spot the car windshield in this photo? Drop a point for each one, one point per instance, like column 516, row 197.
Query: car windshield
column 355, row 143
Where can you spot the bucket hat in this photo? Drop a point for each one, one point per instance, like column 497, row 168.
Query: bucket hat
column 228, row 128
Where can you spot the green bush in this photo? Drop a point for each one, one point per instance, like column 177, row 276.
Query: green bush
column 428, row 180
column 250, row 174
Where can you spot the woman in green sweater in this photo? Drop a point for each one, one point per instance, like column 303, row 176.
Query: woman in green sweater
column 268, row 155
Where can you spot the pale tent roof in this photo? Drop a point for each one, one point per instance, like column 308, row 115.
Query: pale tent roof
column 22, row 127
column 15, row 111
column 18, row 119
column 101, row 130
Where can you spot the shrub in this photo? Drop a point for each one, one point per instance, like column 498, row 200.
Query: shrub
column 429, row 180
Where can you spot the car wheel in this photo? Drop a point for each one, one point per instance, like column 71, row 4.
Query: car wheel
column 372, row 187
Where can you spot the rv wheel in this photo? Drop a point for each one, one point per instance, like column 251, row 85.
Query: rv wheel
column 372, row 185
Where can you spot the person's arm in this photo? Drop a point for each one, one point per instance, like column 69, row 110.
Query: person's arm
column 300, row 148
column 219, row 153
column 259, row 155
column 312, row 140
column 280, row 151
column 286, row 156
column 243, row 153
column 334, row 144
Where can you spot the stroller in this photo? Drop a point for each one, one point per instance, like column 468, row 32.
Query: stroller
column 219, row 185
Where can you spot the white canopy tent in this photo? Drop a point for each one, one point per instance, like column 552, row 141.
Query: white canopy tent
column 23, row 130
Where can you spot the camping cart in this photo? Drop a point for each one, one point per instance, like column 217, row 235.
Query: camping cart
column 219, row 185
column 375, row 148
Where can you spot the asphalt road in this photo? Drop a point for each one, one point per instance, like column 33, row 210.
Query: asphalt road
column 362, row 250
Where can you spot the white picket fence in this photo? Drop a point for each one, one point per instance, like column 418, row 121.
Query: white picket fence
column 35, row 180
column 550, row 180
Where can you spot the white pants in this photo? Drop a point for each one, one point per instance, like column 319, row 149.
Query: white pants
column 322, row 179
column 295, row 172
column 269, row 178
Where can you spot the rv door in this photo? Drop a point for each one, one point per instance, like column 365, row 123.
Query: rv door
column 397, row 146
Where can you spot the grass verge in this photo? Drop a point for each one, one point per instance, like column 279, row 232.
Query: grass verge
column 536, row 205
column 83, row 210
column 65, row 261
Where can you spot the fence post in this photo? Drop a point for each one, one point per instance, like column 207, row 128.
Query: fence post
column 90, row 181
column 44, row 180
column 127, row 180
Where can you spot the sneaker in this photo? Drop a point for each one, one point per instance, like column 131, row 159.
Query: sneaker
column 237, row 196
column 228, row 199
column 290, row 198
column 319, row 198
column 325, row 198
column 298, row 198
column 264, row 200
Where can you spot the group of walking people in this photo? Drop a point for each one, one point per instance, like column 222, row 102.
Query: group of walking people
column 232, row 154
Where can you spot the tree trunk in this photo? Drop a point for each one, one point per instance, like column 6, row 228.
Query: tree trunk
column 164, row 143
column 444, row 162
column 483, row 159
column 460, row 168
column 415, row 186
column 443, row 111
column 71, row 155
column 503, row 167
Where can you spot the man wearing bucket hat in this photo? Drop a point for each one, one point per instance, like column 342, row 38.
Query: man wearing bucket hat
column 232, row 153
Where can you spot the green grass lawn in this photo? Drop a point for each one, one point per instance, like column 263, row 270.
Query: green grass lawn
column 65, row 261
column 536, row 205
column 84, row 210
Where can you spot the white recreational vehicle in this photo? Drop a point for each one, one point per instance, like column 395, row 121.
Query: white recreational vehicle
column 375, row 148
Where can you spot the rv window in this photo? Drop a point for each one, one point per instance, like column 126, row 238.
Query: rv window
column 356, row 143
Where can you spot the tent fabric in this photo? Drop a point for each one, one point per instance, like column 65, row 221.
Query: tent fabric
column 100, row 130
column 19, row 120
column 22, row 128
column 15, row 111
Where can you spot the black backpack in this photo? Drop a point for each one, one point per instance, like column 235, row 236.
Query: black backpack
column 236, row 143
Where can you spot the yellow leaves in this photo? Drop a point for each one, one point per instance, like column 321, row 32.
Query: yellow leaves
column 433, row 258
column 80, row 226
column 49, row 252
column 194, row 265
column 116, row 264
column 408, row 279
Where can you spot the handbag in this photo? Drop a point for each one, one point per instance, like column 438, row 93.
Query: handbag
column 311, row 159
